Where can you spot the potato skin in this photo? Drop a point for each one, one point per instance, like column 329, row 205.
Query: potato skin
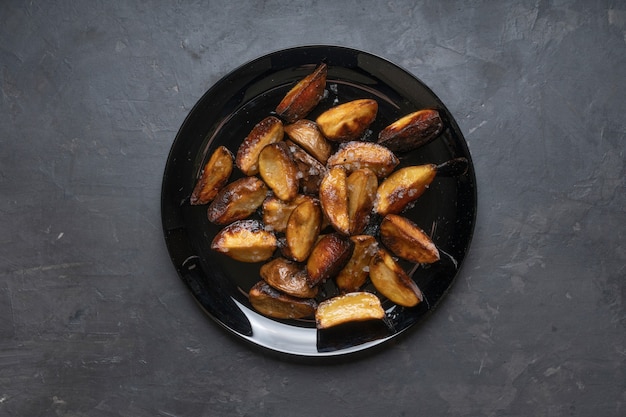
column 287, row 276
column 237, row 200
column 411, row 131
column 279, row 171
column 347, row 121
column 303, row 96
column 268, row 130
column 355, row 306
column 245, row 241
column 403, row 187
column 214, row 176
column 407, row 241
column 272, row 303
column 391, row 281
column 329, row 256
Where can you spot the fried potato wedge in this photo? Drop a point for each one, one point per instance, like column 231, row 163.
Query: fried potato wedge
column 279, row 171
column 245, row 241
column 411, row 131
column 310, row 170
column 306, row 134
column 268, row 130
column 333, row 195
column 287, row 276
column 276, row 212
column 272, row 303
column 329, row 255
column 352, row 277
column 362, row 185
column 354, row 306
column 214, row 176
column 303, row 228
column 403, row 187
column 303, row 96
column 237, row 200
column 347, row 121
column 407, row 241
column 391, row 281
column 355, row 155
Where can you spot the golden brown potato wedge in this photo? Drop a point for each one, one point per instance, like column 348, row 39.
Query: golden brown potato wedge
column 355, row 155
column 214, row 176
column 237, row 200
column 304, row 96
column 245, row 241
column 310, row 170
column 354, row 306
column 403, row 187
column 272, row 303
column 352, row 277
column 287, row 276
column 306, row 134
column 276, row 212
column 362, row 185
column 279, row 171
column 406, row 240
column 347, row 121
column 333, row 194
column 268, row 130
column 411, row 131
column 329, row 255
column 391, row 281
column 303, row 229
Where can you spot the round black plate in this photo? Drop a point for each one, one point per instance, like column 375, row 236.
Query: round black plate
column 225, row 115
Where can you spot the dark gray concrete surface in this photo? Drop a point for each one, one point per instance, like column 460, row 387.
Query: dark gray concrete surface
column 93, row 318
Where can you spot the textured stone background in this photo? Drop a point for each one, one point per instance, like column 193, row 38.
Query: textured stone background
column 95, row 322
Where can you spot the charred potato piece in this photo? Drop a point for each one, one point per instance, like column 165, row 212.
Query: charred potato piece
column 303, row 228
column 354, row 274
column 237, row 200
column 268, row 130
column 407, row 241
column 245, row 241
column 304, row 96
column 310, row 170
column 329, row 255
column 347, row 121
column 355, row 155
column 362, row 185
column 403, row 187
column 288, row 277
column 214, row 176
column 391, row 281
column 411, row 131
column 355, row 306
column 279, row 171
column 272, row 303
column 333, row 194
column 276, row 212
column 306, row 134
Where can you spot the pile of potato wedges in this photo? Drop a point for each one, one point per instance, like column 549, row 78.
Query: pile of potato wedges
column 318, row 201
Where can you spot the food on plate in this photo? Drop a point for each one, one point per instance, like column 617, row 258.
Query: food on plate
column 403, row 187
column 362, row 185
column 276, row 304
column 411, row 131
column 354, row 275
column 303, row 229
column 279, row 171
column 306, row 134
column 268, row 130
column 287, row 276
column 329, row 255
column 333, row 195
column 354, row 306
column 356, row 155
column 392, row 281
column 214, row 176
column 276, row 212
column 407, row 241
column 237, row 201
column 310, row 170
column 245, row 241
column 347, row 121
column 304, row 96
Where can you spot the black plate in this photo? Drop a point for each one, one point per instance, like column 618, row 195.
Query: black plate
column 225, row 115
